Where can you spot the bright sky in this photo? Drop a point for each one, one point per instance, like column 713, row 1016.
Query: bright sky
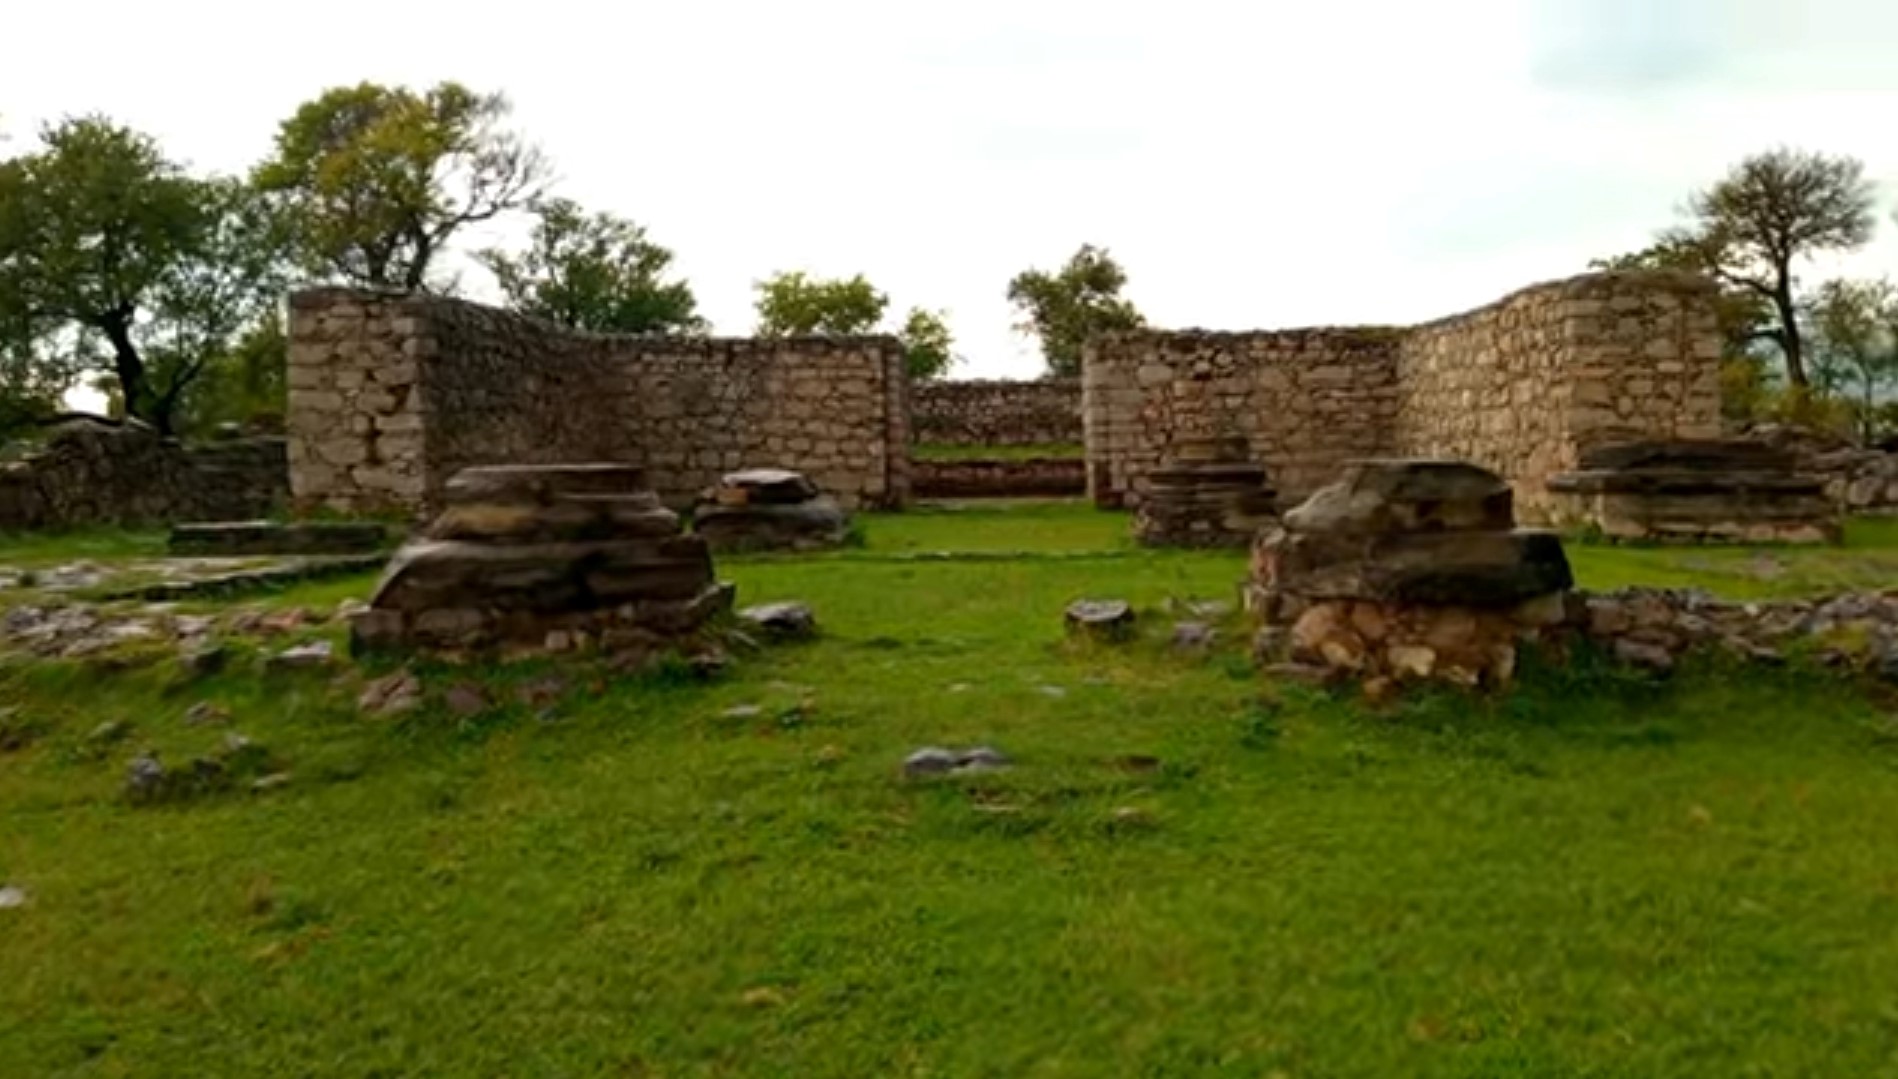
column 1251, row 163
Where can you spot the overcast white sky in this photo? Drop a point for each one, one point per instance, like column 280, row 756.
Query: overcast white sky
column 1252, row 163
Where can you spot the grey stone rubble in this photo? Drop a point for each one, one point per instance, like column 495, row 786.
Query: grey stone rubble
column 784, row 621
column 1102, row 619
column 1695, row 491
column 935, row 761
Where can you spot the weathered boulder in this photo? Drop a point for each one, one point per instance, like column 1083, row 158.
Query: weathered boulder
column 768, row 509
column 543, row 557
column 1697, row 491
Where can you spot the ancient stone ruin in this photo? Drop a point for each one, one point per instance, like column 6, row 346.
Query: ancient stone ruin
column 1695, row 491
column 769, row 509
column 1517, row 387
column 1407, row 570
column 1207, row 495
column 94, row 472
column 545, row 558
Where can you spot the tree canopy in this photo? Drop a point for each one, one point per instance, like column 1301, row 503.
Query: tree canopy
column 1064, row 308
column 594, row 272
column 114, row 258
column 795, row 303
column 378, row 180
column 929, row 347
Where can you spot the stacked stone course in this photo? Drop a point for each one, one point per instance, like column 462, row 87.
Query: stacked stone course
column 95, row 473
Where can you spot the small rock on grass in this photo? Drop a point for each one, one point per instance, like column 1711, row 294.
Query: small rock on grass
column 271, row 782
column 203, row 659
column 12, row 897
column 743, row 711
column 781, row 621
column 392, row 694
column 1100, row 618
column 205, row 712
column 1188, row 636
column 303, row 657
column 935, row 761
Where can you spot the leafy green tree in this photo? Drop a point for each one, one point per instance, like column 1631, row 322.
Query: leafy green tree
column 245, row 383
column 1750, row 230
column 377, row 180
column 116, row 259
column 1063, row 309
column 794, row 303
column 594, row 272
column 928, row 346
column 1855, row 346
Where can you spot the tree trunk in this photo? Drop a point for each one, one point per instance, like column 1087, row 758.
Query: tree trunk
column 129, row 366
column 1789, row 340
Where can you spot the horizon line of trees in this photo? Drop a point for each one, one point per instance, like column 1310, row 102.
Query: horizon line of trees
column 163, row 288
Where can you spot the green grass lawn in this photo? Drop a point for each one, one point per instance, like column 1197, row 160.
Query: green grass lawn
column 1187, row 872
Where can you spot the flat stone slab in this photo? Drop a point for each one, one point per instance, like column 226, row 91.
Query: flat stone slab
column 1382, row 496
column 273, row 537
column 765, row 486
column 814, row 524
column 1695, row 455
column 540, row 484
column 1100, row 617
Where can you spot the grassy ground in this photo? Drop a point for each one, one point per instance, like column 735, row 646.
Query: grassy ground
column 1188, row 872
column 947, row 451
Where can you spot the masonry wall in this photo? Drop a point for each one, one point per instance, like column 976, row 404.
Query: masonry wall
column 95, row 473
column 1517, row 386
column 998, row 412
column 1305, row 400
column 390, row 396
column 1521, row 385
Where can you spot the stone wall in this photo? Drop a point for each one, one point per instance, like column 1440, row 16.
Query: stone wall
column 390, row 396
column 1305, row 400
column 96, row 473
column 1035, row 477
column 1518, row 387
column 998, row 412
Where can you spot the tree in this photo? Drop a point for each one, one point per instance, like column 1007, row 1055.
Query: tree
column 245, row 383
column 594, row 272
column 116, row 259
column 1065, row 308
column 1855, row 346
column 929, row 348
column 792, row 303
column 1771, row 211
column 378, row 180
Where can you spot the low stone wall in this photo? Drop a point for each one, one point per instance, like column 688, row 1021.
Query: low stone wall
column 997, row 412
column 1857, row 479
column 1655, row 627
column 1519, row 387
column 96, row 473
column 389, row 396
column 1038, row 477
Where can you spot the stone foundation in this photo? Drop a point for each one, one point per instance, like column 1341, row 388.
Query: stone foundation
column 551, row 558
column 91, row 472
column 1406, row 570
column 997, row 412
column 769, row 510
column 1209, row 495
column 1037, row 477
column 1708, row 491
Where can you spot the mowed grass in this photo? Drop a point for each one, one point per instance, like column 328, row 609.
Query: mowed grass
column 1189, row 871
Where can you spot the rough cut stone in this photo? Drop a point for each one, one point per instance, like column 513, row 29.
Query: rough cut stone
column 541, row 558
column 781, row 620
column 1697, row 491
column 1406, row 570
column 768, row 509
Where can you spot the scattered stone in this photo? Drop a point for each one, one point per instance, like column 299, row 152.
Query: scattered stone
column 783, row 621
column 522, row 553
column 1641, row 654
column 307, row 656
column 1057, row 692
column 929, row 761
column 1209, row 494
column 982, row 759
column 12, row 897
column 271, row 782
column 277, row 623
column 743, row 711
column 466, row 699
column 768, row 509
column 1100, row 619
